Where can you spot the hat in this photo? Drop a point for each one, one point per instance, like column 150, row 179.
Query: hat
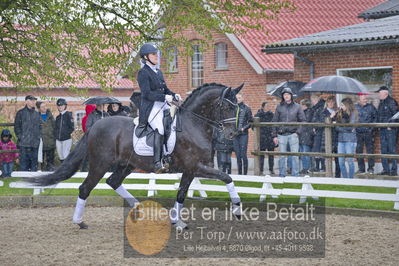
column 6, row 133
column 287, row 90
column 383, row 88
column 30, row 97
column 61, row 101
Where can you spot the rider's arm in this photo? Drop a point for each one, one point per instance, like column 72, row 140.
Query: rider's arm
column 144, row 83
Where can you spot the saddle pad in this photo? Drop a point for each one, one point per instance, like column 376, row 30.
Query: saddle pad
column 141, row 148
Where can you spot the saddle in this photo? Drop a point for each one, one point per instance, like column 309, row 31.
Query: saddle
column 144, row 130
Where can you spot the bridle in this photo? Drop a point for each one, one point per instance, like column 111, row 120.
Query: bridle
column 220, row 123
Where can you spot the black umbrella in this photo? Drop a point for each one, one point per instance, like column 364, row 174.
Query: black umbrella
column 335, row 84
column 294, row 85
column 101, row 100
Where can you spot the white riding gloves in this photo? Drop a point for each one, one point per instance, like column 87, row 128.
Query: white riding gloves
column 169, row 98
column 178, row 98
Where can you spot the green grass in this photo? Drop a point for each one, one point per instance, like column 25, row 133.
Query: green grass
column 333, row 202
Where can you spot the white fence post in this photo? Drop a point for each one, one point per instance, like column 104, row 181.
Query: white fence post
column 152, row 183
column 190, row 193
column 37, row 191
column 396, row 205
column 306, row 186
column 267, row 185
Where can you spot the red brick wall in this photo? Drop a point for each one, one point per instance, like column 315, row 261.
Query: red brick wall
column 238, row 72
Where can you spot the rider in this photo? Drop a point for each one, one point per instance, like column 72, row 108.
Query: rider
column 155, row 98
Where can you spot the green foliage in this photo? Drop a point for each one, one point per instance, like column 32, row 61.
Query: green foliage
column 60, row 42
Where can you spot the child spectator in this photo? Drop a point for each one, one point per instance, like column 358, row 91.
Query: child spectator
column 7, row 159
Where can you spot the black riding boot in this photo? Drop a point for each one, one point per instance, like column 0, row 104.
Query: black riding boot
column 158, row 146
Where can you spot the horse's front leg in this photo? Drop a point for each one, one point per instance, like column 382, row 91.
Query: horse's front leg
column 209, row 172
column 185, row 183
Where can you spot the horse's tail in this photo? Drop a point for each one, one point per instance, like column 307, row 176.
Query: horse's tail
column 68, row 167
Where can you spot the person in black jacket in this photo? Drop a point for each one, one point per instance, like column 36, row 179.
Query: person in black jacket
column 365, row 135
column 223, row 148
column 117, row 109
column 96, row 115
column 243, row 118
column 284, row 136
column 266, row 139
column 27, row 128
column 317, row 116
column 305, row 137
column 155, row 99
column 387, row 108
column 64, row 127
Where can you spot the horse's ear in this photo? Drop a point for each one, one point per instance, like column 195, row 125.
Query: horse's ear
column 226, row 92
column 237, row 90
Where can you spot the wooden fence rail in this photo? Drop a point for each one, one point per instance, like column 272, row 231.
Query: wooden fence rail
column 328, row 125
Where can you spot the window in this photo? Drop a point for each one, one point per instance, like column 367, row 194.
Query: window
column 221, row 56
column 78, row 118
column 197, row 67
column 371, row 77
column 171, row 59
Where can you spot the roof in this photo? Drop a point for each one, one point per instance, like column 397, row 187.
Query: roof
column 380, row 31
column 311, row 16
column 386, row 9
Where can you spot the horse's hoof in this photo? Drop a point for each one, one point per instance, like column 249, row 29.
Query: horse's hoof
column 82, row 225
column 180, row 225
column 238, row 216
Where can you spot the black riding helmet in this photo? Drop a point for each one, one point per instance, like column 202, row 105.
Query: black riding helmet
column 146, row 49
column 61, row 101
column 6, row 133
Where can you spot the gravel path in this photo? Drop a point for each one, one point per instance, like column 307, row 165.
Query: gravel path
column 46, row 236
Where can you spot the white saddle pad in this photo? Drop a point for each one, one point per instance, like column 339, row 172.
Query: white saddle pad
column 141, row 148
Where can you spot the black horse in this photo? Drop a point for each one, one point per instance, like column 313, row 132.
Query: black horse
column 109, row 142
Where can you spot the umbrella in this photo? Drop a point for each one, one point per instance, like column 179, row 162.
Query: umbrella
column 335, row 84
column 101, row 100
column 294, row 85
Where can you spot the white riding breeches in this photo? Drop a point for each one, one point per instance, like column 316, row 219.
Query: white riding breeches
column 155, row 118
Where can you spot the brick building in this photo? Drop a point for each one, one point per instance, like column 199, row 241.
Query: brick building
column 368, row 52
column 232, row 59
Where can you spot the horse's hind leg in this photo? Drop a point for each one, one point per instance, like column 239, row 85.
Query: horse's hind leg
column 115, row 181
column 94, row 176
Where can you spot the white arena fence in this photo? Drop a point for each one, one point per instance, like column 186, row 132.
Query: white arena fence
column 267, row 188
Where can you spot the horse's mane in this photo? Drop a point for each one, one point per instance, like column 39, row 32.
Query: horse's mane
column 199, row 90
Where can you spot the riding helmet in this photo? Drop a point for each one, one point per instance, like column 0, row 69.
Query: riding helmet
column 146, row 49
column 61, row 101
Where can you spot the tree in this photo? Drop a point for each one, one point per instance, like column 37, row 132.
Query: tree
column 59, row 42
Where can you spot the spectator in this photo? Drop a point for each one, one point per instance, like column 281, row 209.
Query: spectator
column 347, row 113
column 317, row 116
column 64, row 127
column 266, row 140
column 387, row 108
column 223, row 148
column 7, row 159
column 48, row 127
column 89, row 108
column 365, row 135
column 330, row 111
column 96, row 115
column 288, row 111
column 305, row 137
column 28, row 131
column 243, row 118
column 116, row 109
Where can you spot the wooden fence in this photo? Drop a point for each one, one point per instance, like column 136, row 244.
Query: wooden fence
column 328, row 125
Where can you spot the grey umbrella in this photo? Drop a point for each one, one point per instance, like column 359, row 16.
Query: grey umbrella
column 101, row 100
column 335, row 84
column 294, row 85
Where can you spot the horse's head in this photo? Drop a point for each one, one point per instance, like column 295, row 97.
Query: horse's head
column 226, row 111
